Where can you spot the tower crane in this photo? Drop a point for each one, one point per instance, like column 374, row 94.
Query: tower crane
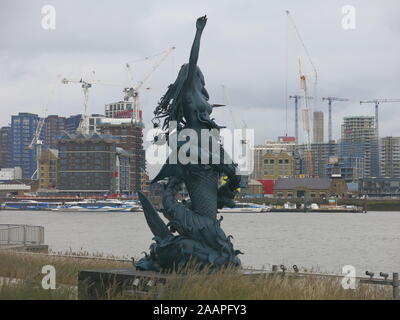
column 37, row 144
column 296, row 114
column 133, row 92
column 227, row 103
column 377, row 102
column 83, row 125
column 330, row 138
column 330, row 99
column 300, row 39
column 306, row 124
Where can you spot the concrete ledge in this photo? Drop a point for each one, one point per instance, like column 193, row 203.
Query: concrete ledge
column 99, row 284
column 42, row 248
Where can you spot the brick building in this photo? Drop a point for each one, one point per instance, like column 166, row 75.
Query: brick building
column 312, row 188
column 131, row 140
column 48, row 173
column 91, row 164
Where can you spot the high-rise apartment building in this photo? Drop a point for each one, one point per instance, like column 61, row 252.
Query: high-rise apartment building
column 123, row 109
column 53, row 127
column 359, row 140
column 320, row 157
column 23, row 127
column 5, row 147
column 390, row 157
column 318, row 127
column 72, row 123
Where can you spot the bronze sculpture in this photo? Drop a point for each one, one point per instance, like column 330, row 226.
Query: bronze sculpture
column 200, row 237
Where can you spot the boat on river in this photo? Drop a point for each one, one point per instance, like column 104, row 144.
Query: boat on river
column 245, row 208
column 89, row 205
column 30, row 205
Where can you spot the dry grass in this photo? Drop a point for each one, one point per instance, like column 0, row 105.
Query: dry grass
column 232, row 285
column 33, row 291
column 228, row 284
column 29, row 266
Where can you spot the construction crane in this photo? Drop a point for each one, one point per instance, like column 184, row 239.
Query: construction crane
column 306, row 124
column 377, row 102
column 235, row 124
column 227, row 103
column 330, row 99
column 330, row 137
column 37, row 144
column 300, row 39
column 296, row 115
column 133, row 92
column 83, row 125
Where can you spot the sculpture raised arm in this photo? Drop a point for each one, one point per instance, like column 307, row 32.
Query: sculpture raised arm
column 194, row 52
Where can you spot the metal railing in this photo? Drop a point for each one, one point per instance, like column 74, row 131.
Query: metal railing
column 16, row 234
column 385, row 279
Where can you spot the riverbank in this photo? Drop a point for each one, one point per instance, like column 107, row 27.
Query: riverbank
column 372, row 204
column 25, row 271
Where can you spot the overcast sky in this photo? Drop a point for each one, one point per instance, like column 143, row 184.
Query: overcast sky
column 248, row 46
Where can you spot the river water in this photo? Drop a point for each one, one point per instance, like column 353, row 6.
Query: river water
column 319, row 241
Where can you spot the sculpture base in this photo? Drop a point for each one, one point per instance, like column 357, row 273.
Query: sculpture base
column 101, row 284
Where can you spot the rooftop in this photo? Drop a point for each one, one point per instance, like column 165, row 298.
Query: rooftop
column 309, row 183
column 94, row 136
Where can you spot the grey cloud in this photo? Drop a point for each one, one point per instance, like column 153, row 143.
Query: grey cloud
column 243, row 47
